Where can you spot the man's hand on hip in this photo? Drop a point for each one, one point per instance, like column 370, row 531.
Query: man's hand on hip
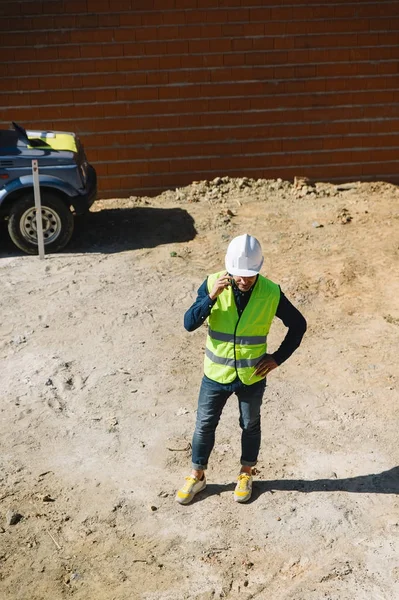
column 265, row 365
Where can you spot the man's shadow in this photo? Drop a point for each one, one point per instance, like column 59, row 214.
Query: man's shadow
column 386, row 482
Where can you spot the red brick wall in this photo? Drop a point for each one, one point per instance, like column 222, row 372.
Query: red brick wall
column 163, row 92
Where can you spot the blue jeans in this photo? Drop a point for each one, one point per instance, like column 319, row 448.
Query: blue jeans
column 211, row 401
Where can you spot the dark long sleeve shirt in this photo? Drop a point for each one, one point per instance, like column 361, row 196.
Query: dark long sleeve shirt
column 289, row 315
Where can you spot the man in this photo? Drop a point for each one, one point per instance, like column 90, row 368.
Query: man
column 240, row 306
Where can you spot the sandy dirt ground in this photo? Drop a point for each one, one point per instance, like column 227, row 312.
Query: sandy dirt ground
column 99, row 384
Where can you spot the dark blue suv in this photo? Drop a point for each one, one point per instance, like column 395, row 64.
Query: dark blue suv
column 68, row 184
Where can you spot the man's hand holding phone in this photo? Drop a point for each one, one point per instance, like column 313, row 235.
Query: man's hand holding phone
column 222, row 283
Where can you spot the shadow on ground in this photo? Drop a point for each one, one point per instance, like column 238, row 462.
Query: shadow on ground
column 118, row 229
column 386, row 482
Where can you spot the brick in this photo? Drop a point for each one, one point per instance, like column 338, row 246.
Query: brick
column 145, row 113
column 111, row 50
column 253, row 29
column 221, row 75
column 104, row 95
column 202, row 76
column 49, row 53
column 242, row 45
column 388, row 38
column 8, row 54
column 6, row 24
column 238, row 15
column 152, row 48
column 62, row 22
column 173, row 17
column 10, row 9
column 287, row 14
column 38, row 68
column 148, row 4
column 90, row 51
column 127, row 64
column 57, row 82
column 284, row 43
column 198, row 46
column 22, row 54
column 132, row 19
column 185, row 4
column 380, row 155
column 122, row 34
column 53, row 7
column 377, row 168
column 256, row 58
column 192, row 61
column 151, row 19
column 32, row 22
column 149, row 63
column 387, row 68
column 210, row 61
column 55, row 97
column 201, row 16
column 108, row 183
column 127, row 5
column 259, row 14
column 12, row 84
column 110, row 20
column 177, row 47
column 109, row 154
column 145, row 33
column 68, row 52
column 274, row 28
column 148, row 93
column 50, row 82
column 383, row 24
column 234, row 59
column 105, row 64
column 76, row 6
column 210, row 30
column 87, row 21
column 170, row 33
column 102, row 170
column 338, row 142
column 176, row 62
column 17, row 39
column 220, row 45
column 31, row 8
column 132, row 49
column 78, row 36
column 263, row 43
column 158, row 78
column 132, row 79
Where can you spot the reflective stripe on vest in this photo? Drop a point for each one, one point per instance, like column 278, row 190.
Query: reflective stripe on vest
column 235, row 344
column 242, row 340
column 230, row 362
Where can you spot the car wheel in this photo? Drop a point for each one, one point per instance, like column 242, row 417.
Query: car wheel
column 57, row 221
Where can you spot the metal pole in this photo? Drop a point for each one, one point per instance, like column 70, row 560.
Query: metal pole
column 38, row 204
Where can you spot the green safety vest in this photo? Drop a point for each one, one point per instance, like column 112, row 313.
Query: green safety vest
column 234, row 344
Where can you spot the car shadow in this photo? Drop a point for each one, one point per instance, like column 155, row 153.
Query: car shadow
column 386, row 482
column 118, row 229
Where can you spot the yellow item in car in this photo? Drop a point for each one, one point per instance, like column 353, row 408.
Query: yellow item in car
column 58, row 141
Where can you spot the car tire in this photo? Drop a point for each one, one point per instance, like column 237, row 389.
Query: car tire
column 57, row 220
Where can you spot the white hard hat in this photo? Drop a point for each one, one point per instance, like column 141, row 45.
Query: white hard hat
column 244, row 256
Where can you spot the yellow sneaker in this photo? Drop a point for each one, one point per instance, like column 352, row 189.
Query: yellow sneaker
column 190, row 488
column 243, row 490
